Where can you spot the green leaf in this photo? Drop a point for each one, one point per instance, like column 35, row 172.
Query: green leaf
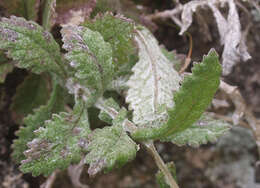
column 119, row 32
column 28, row 44
column 31, row 94
column 58, row 144
column 152, row 84
column 91, row 57
column 110, row 147
column 160, row 177
column 205, row 130
column 36, row 120
column 191, row 100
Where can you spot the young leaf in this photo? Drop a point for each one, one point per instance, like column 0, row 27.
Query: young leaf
column 153, row 83
column 191, row 100
column 110, row 147
column 106, row 117
column 32, row 93
column 58, row 144
column 205, row 130
column 91, row 58
column 27, row 43
column 119, row 32
column 36, row 120
column 160, row 177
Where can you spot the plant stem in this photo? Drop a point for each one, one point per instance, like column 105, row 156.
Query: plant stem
column 161, row 165
column 48, row 14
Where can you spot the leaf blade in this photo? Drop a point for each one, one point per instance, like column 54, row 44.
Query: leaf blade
column 110, row 147
column 91, row 58
column 152, row 84
column 58, row 144
column 191, row 100
column 21, row 39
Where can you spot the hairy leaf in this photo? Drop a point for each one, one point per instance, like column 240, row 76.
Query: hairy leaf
column 32, row 93
column 91, row 57
column 36, row 120
column 119, row 32
column 152, row 84
column 205, row 130
column 110, row 147
column 160, row 177
column 27, row 43
column 58, row 143
column 191, row 100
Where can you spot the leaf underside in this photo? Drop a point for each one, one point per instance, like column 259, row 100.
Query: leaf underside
column 191, row 100
column 205, row 130
column 152, row 84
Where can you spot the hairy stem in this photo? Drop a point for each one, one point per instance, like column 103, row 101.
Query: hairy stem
column 161, row 165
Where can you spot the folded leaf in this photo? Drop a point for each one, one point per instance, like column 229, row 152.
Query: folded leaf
column 110, row 103
column 191, row 100
column 110, row 147
column 27, row 43
column 31, row 94
column 36, row 120
column 205, row 130
column 152, row 84
column 58, row 143
column 91, row 57
column 119, row 32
